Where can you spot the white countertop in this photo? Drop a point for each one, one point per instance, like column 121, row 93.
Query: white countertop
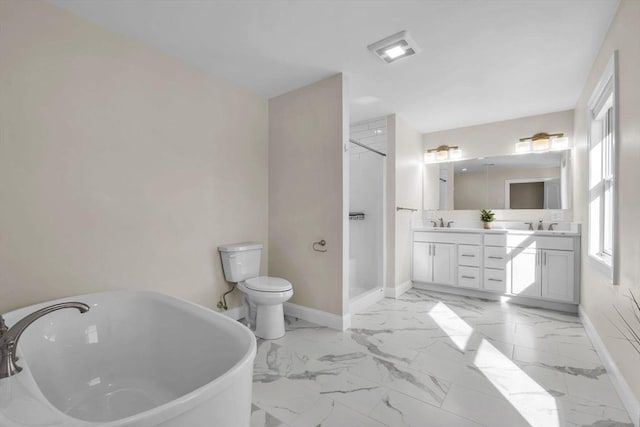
column 570, row 232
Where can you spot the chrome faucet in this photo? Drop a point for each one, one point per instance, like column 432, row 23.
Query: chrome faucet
column 435, row 224
column 530, row 224
column 449, row 224
column 9, row 336
column 540, row 226
column 552, row 225
column 441, row 223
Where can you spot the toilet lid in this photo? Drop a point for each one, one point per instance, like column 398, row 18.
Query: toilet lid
column 268, row 284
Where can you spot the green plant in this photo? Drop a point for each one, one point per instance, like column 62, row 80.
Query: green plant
column 486, row 215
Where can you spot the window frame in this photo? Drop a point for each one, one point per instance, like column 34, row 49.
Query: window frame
column 604, row 102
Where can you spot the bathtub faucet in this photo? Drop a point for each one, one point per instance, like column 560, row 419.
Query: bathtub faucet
column 9, row 337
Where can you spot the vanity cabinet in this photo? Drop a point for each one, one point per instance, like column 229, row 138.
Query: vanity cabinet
column 447, row 258
column 525, row 272
column 544, row 268
column 434, row 262
column 495, row 269
column 544, row 273
column 558, row 275
column 539, row 266
column 469, row 266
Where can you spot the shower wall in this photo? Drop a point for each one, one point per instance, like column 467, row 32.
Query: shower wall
column 366, row 195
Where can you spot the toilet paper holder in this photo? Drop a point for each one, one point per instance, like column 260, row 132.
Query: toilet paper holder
column 322, row 243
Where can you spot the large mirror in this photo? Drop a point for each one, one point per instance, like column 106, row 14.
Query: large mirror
column 525, row 181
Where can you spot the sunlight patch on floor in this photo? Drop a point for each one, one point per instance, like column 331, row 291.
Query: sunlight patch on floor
column 457, row 329
column 528, row 397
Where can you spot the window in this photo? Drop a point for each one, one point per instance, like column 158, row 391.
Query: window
column 602, row 170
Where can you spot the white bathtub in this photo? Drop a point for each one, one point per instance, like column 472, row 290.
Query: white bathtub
column 135, row 359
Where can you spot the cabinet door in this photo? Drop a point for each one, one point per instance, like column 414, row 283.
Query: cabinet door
column 525, row 272
column 444, row 263
column 557, row 275
column 422, row 262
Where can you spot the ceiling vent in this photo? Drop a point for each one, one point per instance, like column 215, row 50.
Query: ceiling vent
column 395, row 47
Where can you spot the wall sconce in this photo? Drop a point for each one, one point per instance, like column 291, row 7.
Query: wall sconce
column 542, row 142
column 523, row 147
column 442, row 153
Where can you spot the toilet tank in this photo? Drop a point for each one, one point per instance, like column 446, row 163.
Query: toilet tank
column 240, row 261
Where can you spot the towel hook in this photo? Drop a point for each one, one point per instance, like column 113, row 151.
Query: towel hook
column 321, row 243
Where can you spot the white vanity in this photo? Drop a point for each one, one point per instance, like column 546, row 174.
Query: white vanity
column 533, row 267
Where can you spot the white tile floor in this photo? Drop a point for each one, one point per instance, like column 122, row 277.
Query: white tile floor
column 431, row 359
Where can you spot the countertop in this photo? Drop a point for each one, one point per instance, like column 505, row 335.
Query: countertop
column 566, row 233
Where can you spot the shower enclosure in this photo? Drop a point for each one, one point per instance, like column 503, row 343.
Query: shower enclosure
column 368, row 144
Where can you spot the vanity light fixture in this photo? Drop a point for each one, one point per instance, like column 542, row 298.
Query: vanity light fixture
column 560, row 143
column 523, row 147
column 395, row 47
column 455, row 153
column 541, row 142
column 442, row 153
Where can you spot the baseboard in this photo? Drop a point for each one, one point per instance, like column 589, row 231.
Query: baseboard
column 236, row 313
column 330, row 320
column 396, row 291
column 627, row 396
column 513, row 299
column 362, row 302
column 319, row 317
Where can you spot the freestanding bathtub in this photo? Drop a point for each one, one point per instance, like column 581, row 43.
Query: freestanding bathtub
column 138, row 359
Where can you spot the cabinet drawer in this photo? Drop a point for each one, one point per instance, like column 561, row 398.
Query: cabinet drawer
column 530, row 241
column 495, row 280
column 447, row 237
column 495, row 239
column 469, row 255
column 495, row 257
column 469, row 277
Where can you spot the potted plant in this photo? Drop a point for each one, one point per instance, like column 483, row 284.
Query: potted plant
column 487, row 217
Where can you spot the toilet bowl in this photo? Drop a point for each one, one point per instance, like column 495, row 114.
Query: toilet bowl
column 241, row 265
column 267, row 294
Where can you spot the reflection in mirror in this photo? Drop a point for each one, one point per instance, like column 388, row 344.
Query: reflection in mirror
column 528, row 181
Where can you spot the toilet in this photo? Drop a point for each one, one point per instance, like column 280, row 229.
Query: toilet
column 241, row 265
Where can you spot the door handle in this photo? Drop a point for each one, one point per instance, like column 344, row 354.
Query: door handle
column 434, row 249
column 468, row 277
column 494, row 257
column 544, row 254
column 468, row 255
column 491, row 279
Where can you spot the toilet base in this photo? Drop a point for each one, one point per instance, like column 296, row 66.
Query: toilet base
column 269, row 321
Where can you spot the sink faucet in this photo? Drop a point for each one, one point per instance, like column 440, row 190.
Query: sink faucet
column 540, row 226
column 9, row 336
column 441, row 223
column 552, row 225
column 530, row 224
column 435, row 224
column 449, row 224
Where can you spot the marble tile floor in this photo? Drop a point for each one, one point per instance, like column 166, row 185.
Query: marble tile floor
column 433, row 359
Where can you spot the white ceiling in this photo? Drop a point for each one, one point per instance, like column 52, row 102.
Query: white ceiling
column 481, row 61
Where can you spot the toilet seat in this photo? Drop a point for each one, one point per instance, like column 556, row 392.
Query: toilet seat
column 268, row 284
